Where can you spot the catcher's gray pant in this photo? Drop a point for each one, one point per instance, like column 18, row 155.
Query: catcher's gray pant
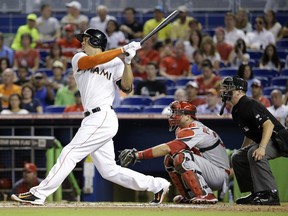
column 254, row 176
column 94, row 137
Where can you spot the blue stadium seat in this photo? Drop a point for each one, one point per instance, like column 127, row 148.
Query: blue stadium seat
column 137, row 101
column 153, row 109
column 256, row 55
column 282, row 54
column 279, row 81
column 267, row 91
column 171, row 90
column 284, row 72
column 223, row 72
column 128, row 109
column 168, row 82
column 183, row 81
column 54, row 109
column 283, row 43
column 265, row 82
column 136, row 80
column 253, row 63
column 265, row 73
column 166, row 100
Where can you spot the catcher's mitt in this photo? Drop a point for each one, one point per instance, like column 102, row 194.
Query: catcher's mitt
column 128, row 156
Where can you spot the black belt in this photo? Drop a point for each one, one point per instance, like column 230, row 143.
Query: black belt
column 210, row 147
column 96, row 109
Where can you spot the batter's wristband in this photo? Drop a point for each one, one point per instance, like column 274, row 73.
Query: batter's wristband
column 145, row 154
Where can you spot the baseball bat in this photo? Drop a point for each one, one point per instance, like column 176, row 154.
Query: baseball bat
column 164, row 23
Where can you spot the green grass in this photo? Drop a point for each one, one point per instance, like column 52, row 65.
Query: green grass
column 74, row 211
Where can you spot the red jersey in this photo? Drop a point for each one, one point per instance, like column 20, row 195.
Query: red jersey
column 214, row 82
column 27, row 58
column 175, row 66
column 69, row 48
column 224, row 50
column 74, row 108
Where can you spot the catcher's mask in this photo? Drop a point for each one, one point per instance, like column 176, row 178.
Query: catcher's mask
column 177, row 109
column 229, row 84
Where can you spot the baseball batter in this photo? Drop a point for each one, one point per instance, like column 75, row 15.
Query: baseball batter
column 196, row 160
column 97, row 73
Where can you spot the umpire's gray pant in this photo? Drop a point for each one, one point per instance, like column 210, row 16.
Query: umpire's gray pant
column 254, row 176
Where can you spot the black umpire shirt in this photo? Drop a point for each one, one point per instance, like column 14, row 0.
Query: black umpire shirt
column 250, row 115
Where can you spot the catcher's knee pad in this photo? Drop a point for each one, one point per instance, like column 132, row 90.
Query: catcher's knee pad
column 179, row 161
column 168, row 163
column 191, row 180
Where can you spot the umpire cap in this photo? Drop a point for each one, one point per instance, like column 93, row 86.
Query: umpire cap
column 97, row 38
column 240, row 84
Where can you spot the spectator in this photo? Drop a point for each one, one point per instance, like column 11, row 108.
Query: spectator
column 23, row 76
column 179, row 95
column 278, row 109
column 151, row 87
column 74, row 16
column 195, row 25
column 48, row 26
column 257, row 93
column 130, row 27
column 239, row 54
column 77, row 106
column 245, row 72
column 29, row 102
column 14, row 105
column 272, row 25
column 115, row 37
column 192, row 89
column 260, row 37
column 4, row 64
column 27, row 56
column 100, row 22
column 29, row 28
column 180, row 26
column 65, row 94
column 232, row 34
column 192, row 44
column 242, row 21
column 55, row 54
column 28, row 180
column 5, row 51
column 143, row 57
column 212, row 106
column 209, row 52
column 8, row 88
column 176, row 65
column 285, row 96
column 43, row 89
column 270, row 59
column 69, row 43
column 196, row 68
column 207, row 79
column 58, row 79
column 223, row 48
column 158, row 17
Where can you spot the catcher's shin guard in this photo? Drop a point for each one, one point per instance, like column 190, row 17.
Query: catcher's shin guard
column 175, row 177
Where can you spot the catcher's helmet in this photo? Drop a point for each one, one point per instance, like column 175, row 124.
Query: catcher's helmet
column 178, row 109
column 229, row 84
column 97, row 39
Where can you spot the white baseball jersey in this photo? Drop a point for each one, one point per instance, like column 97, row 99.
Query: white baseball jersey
column 97, row 85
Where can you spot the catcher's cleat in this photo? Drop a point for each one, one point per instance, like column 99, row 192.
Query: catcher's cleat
column 27, row 198
column 159, row 197
column 179, row 199
column 207, row 199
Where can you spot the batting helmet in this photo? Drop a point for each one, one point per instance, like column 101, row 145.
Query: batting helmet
column 177, row 110
column 97, row 39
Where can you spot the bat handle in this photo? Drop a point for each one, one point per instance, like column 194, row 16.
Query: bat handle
column 222, row 108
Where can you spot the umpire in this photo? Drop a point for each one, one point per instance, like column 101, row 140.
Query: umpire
column 265, row 139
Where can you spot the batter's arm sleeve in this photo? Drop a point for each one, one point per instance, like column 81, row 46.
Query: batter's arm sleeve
column 87, row 62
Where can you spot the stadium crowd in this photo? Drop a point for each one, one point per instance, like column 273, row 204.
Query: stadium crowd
column 36, row 67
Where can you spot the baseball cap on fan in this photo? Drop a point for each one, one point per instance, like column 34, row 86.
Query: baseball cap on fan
column 256, row 83
column 74, row 4
column 159, row 8
column 182, row 9
column 192, row 84
column 32, row 17
column 30, row 167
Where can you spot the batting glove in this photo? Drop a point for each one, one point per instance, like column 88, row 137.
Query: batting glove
column 133, row 45
column 129, row 54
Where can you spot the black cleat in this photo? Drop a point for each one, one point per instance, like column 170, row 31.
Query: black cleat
column 246, row 200
column 266, row 198
column 159, row 197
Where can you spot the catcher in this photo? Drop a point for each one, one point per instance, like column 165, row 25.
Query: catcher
column 196, row 160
